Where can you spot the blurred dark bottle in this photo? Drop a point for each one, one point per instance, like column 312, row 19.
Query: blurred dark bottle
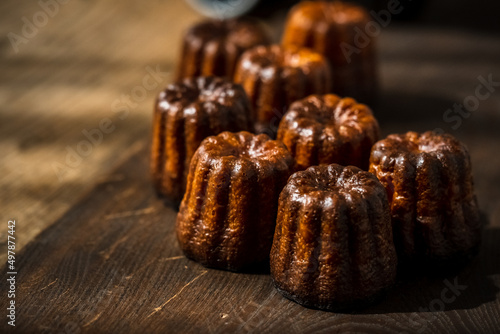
column 232, row 8
column 222, row 9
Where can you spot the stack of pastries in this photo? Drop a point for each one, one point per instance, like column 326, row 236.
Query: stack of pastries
column 328, row 206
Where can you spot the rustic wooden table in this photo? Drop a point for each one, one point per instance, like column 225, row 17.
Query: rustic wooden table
column 95, row 249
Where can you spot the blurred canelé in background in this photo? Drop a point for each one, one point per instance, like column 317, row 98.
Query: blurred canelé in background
column 213, row 47
column 335, row 29
column 339, row 31
column 274, row 77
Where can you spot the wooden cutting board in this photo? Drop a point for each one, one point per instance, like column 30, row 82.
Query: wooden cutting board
column 109, row 263
column 112, row 265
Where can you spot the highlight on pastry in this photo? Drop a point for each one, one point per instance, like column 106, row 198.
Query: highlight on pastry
column 336, row 29
column 333, row 247
column 429, row 184
column 185, row 114
column 227, row 217
column 274, row 77
column 213, row 47
column 325, row 129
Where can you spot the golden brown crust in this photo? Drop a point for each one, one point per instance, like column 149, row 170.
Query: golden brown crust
column 331, row 28
column 227, row 217
column 430, row 187
column 333, row 246
column 274, row 77
column 324, row 129
column 213, row 47
column 185, row 114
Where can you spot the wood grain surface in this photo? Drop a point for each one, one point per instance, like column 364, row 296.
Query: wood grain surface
column 95, row 249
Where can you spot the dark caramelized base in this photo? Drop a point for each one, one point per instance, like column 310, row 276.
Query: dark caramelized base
column 345, row 307
column 258, row 268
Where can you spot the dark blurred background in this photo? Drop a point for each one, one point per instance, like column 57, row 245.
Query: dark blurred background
column 480, row 15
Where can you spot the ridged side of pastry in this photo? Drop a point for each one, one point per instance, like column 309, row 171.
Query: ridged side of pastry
column 333, row 246
column 325, row 129
column 274, row 78
column 430, row 187
column 185, row 114
column 213, row 47
column 227, row 217
column 334, row 29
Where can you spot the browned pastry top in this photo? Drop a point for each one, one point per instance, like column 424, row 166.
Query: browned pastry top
column 259, row 58
column 321, row 182
column 338, row 12
column 414, row 143
column 259, row 150
column 333, row 115
column 429, row 184
column 240, row 32
column 416, row 150
column 323, row 129
column 206, row 92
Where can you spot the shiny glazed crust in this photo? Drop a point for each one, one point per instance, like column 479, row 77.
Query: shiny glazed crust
column 333, row 246
column 227, row 217
column 430, row 188
column 333, row 29
column 185, row 114
column 274, row 77
column 324, row 129
column 213, row 47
